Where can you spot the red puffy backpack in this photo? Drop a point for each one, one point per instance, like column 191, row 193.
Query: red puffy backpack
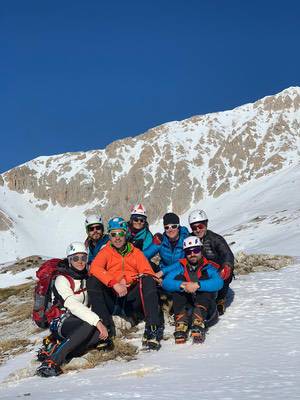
column 45, row 308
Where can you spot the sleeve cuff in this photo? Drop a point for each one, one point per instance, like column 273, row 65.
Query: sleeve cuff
column 111, row 283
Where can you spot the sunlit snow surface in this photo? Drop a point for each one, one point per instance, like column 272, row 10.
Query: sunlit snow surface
column 252, row 353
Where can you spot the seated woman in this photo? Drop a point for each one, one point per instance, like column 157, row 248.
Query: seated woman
column 194, row 283
column 138, row 228
column 77, row 328
column 168, row 245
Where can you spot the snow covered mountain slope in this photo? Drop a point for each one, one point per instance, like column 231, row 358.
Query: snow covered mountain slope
column 204, row 160
column 252, row 353
column 213, row 153
column 261, row 216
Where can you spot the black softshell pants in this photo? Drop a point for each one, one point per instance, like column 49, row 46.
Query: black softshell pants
column 223, row 292
column 141, row 297
column 78, row 336
column 201, row 304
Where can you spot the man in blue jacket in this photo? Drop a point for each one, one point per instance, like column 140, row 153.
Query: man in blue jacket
column 168, row 245
column 96, row 238
column 194, row 282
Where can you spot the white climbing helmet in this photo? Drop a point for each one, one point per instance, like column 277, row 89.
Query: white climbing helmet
column 93, row 220
column 191, row 241
column 76, row 247
column 197, row 216
column 139, row 209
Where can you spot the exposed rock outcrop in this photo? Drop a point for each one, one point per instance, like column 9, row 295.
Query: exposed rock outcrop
column 170, row 166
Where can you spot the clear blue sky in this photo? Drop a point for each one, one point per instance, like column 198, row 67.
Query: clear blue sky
column 76, row 75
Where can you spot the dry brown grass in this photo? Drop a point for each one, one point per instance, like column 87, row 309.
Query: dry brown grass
column 12, row 347
column 24, row 290
column 129, row 333
column 21, row 312
column 122, row 351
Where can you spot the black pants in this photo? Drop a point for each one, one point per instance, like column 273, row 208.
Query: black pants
column 200, row 302
column 142, row 297
column 78, row 336
column 223, row 292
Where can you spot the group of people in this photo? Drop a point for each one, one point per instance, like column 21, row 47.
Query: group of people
column 114, row 274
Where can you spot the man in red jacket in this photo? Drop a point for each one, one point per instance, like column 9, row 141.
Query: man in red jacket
column 121, row 272
column 215, row 248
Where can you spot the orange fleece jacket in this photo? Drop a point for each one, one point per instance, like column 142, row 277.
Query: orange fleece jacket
column 110, row 267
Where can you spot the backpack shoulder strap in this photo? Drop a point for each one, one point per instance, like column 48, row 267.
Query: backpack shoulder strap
column 72, row 283
column 214, row 264
column 183, row 262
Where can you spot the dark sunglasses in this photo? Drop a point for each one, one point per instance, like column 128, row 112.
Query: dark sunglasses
column 116, row 234
column 94, row 228
column 79, row 258
column 141, row 220
column 193, row 250
column 195, row 227
column 168, row 227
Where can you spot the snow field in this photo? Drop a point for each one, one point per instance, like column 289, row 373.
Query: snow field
column 252, row 353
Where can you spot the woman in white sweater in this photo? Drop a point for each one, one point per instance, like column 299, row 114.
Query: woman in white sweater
column 78, row 328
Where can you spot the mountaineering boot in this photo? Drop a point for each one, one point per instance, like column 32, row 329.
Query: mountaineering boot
column 181, row 327
column 221, row 306
column 50, row 344
column 48, row 368
column 106, row 345
column 198, row 330
column 181, row 332
column 151, row 338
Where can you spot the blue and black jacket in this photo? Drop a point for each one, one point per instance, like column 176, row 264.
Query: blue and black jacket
column 168, row 254
column 141, row 239
column 94, row 249
column 207, row 276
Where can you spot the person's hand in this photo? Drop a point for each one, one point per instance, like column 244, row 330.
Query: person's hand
column 190, row 287
column 159, row 274
column 226, row 272
column 103, row 334
column 120, row 289
column 157, row 239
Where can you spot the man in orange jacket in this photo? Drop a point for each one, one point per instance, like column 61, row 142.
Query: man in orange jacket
column 121, row 271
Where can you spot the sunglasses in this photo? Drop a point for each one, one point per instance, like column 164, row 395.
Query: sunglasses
column 79, row 258
column 141, row 220
column 116, row 234
column 94, row 228
column 194, row 250
column 168, row 227
column 195, row 227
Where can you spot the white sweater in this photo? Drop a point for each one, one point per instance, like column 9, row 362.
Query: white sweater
column 76, row 303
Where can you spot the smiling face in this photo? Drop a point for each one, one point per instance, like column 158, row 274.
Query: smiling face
column 95, row 232
column 199, row 229
column 138, row 222
column 78, row 261
column 172, row 231
column 118, row 238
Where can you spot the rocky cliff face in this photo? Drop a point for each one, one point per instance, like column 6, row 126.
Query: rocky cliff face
column 171, row 166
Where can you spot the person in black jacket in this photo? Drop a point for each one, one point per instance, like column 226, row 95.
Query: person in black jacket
column 216, row 249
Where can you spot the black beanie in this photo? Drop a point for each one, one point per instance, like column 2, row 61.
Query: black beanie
column 171, row 218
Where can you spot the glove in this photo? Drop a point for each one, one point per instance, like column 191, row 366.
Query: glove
column 157, row 239
column 226, row 272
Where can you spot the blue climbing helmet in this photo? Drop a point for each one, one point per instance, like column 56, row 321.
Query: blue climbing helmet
column 117, row 223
